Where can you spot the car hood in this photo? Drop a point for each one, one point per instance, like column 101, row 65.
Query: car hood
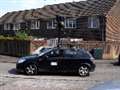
column 30, row 57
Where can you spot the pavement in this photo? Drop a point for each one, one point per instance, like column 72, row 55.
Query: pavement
column 8, row 59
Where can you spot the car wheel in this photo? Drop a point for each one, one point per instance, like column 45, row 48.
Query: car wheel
column 31, row 69
column 83, row 71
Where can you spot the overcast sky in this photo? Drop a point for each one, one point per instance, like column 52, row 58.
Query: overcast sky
column 16, row 5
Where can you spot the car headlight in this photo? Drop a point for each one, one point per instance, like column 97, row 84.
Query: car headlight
column 21, row 60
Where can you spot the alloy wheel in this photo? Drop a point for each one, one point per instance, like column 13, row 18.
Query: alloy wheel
column 31, row 69
column 83, row 70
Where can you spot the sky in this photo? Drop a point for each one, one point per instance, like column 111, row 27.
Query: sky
column 16, row 5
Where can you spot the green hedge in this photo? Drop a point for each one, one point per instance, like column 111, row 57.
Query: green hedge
column 20, row 35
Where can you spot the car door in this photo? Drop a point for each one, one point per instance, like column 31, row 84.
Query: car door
column 47, row 61
column 69, row 60
column 56, row 60
column 53, row 60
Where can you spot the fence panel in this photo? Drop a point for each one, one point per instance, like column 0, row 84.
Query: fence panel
column 15, row 47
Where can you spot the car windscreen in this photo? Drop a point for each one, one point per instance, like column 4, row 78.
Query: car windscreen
column 44, row 49
column 45, row 52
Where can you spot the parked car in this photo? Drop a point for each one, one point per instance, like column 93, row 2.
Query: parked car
column 40, row 50
column 57, row 60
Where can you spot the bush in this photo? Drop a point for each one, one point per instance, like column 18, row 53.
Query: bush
column 2, row 37
column 6, row 38
column 20, row 35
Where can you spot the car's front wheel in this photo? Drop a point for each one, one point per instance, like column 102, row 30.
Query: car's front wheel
column 83, row 71
column 31, row 69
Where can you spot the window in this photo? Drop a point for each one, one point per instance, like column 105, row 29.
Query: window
column 70, row 52
column 93, row 22
column 51, row 24
column 16, row 26
column 35, row 24
column 1, row 27
column 53, row 53
column 8, row 26
column 70, row 23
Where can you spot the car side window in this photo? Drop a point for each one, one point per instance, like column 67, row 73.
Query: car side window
column 70, row 53
column 54, row 53
column 83, row 54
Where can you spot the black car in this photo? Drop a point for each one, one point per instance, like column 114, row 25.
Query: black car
column 57, row 60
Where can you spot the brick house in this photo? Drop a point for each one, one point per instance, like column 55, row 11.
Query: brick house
column 91, row 20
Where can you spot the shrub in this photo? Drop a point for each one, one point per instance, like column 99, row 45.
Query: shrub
column 20, row 35
column 2, row 37
column 6, row 38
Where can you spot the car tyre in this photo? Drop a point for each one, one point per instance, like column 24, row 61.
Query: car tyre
column 84, row 71
column 31, row 69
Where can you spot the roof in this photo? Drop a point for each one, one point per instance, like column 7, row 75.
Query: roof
column 72, row 9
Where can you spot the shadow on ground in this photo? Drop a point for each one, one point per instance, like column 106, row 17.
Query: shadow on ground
column 14, row 72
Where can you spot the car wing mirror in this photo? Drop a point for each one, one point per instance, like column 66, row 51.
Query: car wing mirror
column 46, row 56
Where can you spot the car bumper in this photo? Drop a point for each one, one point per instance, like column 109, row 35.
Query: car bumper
column 19, row 68
column 93, row 68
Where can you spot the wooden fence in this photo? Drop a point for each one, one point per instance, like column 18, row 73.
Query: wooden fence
column 18, row 47
column 15, row 47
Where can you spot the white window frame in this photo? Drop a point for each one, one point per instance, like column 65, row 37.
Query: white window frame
column 93, row 22
column 70, row 23
column 7, row 26
column 16, row 26
column 35, row 24
column 51, row 24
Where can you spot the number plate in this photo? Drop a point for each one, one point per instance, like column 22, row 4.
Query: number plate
column 53, row 63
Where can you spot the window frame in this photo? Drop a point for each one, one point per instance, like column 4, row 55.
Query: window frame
column 70, row 21
column 16, row 26
column 7, row 26
column 93, row 22
column 53, row 24
column 35, row 24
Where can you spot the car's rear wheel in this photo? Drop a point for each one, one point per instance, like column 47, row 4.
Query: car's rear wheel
column 31, row 69
column 83, row 71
